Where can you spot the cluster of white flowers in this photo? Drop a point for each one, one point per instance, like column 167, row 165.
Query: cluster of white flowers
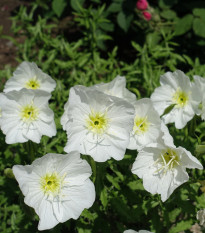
column 101, row 121
column 159, row 163
column 25, row 114
column 56, row 186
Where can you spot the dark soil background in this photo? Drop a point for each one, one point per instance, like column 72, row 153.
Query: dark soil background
column 7, row 48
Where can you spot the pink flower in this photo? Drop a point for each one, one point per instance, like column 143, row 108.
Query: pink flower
column 142, row 5
column 147, row 15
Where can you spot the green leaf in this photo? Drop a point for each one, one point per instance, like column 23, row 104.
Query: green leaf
column 107, row 26
column 77, row 4
column 114, row 7
column 199, row 27
column 201, row 201
column 168, row 109
column 200, row 149
column 167, row 3
column 168, row 14
column 181, row 226
column 136, row 46
column 122, row 209
column 103, row 197
column 183, row 25
column 124, row 20
column 149, row 204
column 58, row 6
column 135, row 185
column 173, row 214
column 199, row 13
column 153, row 39
column 199, row 22
column 113, row 181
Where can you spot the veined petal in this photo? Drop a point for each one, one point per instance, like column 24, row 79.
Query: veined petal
column 47, row 218
column 188, row 160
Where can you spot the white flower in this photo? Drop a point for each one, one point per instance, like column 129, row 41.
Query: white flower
column 147, row 125
column 57, row 186
column 97, row 124
column 29, row 76
column 2, row 102
column 163, row 168
column 200, row 83
column 117, row 88
column 201, row 217
column 26, row 116
column 141, row 231
column 203, row 109
column 176, row 89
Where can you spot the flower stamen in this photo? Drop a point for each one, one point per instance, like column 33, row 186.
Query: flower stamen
column 180, row 98
column 52, row 183
column 97, row 122
column 32, row 83
column 141, row 125
column 29, row 113
column 167, row 161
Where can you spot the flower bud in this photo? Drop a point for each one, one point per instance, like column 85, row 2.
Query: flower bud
column 8, row 173
column 142, row 4
column 147, row 15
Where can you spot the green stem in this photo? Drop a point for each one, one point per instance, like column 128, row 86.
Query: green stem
column 31, row 150
column 93, row 165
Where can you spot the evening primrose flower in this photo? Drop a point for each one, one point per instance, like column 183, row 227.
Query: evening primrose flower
column 57, row 186
column 117, row 88
column 163, row 168
column 203, row 109
column 147, row 124
column 200, row 84
column 201, row 217
column 2, row 102
column 29, row 76
column 177, row 90
column 97, row 124
column 25, row 115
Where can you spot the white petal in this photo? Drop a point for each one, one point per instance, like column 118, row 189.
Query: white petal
column 82, row 197
column 188, row 160
column 46, row 215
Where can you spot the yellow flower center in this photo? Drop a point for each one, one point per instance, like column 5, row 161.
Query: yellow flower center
column 141, row 125
column 52, row 183
column 97, row 122
column 167, row 161
column 29, row 113
column 170, row 158
column 180, row 98
column 33, row 83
